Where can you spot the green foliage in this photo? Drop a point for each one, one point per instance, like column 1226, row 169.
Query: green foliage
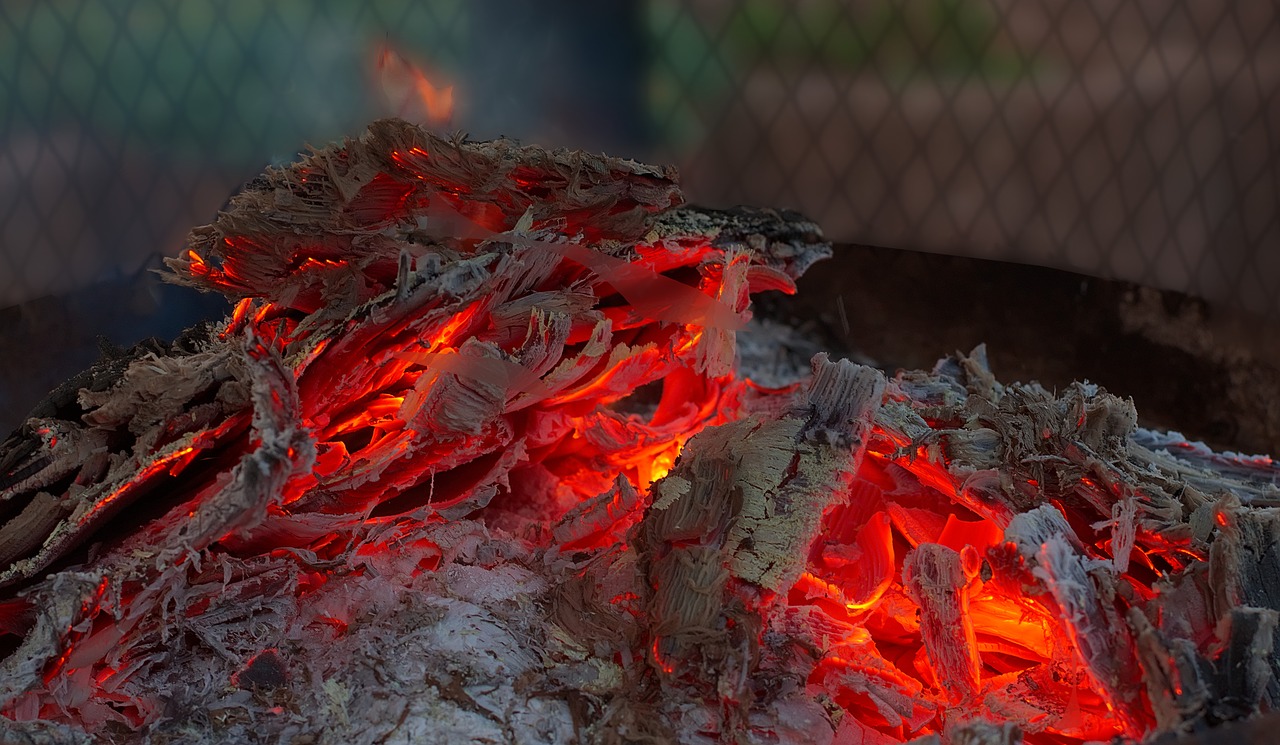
column 900, row 38
column 701, row 56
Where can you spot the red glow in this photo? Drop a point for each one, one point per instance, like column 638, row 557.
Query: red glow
column 577, row 406
column 663, row 665
column 173, row 463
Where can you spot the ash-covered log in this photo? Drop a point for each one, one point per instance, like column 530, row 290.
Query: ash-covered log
column 491, row 450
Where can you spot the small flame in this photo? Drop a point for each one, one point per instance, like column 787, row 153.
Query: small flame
column 662, row 463
column 408, row 90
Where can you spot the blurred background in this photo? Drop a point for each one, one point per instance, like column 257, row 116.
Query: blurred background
column 1136, row 140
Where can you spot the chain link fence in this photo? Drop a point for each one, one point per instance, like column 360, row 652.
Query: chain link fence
column 1128, row 139
column 1125, row 139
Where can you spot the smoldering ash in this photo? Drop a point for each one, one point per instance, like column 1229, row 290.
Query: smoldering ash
column 476, row 458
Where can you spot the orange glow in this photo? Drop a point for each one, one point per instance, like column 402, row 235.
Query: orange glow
column 180, row 460
column 174, row 463
column 237, row 318
column 660, row 464
column 852, row 586
column 197, row 264
column 1018, row 621
column 980, row 534
column 409, row 92
column 313, row 263
column 405, row 407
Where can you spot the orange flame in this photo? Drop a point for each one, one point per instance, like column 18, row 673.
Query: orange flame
column 409, row 92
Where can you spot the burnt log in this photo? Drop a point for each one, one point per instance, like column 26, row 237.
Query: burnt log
column 491, row 449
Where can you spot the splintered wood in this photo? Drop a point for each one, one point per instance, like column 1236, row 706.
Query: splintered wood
column 475, row 459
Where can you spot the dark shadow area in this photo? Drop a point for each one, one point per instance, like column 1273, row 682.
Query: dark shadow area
column 45, row 341
column 1211, row 373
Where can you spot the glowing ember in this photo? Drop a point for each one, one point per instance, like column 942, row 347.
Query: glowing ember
column 475, row 428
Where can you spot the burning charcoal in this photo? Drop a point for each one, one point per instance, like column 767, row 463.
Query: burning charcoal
column 935, row 579
column 475, row 457
column 745, row 501
column 1104, row 645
